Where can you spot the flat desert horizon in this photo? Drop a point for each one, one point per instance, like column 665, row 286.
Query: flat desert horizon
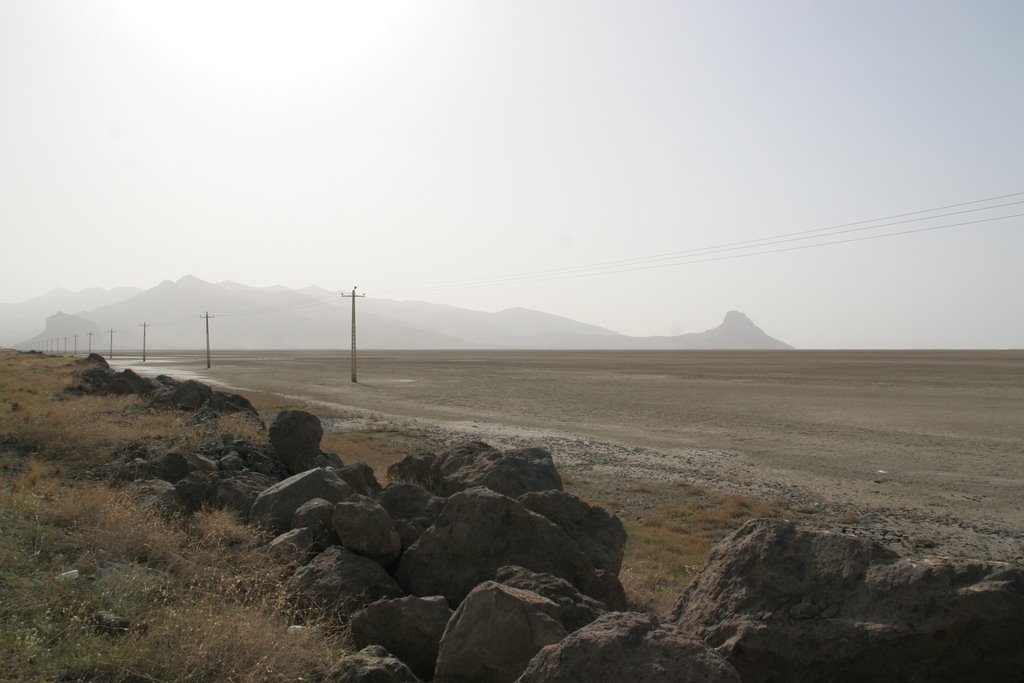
column 921, row 450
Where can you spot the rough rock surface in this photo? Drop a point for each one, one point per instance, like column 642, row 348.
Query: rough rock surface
column 628, row 646
column 340, row 579
column 494, row 633
column 295, row 543
column 316, row 515
column 600, row 534
column 417, row 468
column 413, row 509
column 275, row 507
column 364, row 527
column 575, row 609
column 410, row 628
column 372, row 664
column 787, row 604
column 157, row 494
column 295, row 436
column 479, row 531
column 511, row 473
column 238, row 490
column 361, row 478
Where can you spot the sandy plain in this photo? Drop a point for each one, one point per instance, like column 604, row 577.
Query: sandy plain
column 921, row 450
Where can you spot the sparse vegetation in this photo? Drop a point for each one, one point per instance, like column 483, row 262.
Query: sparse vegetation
column 667, row 548
column 204, row 599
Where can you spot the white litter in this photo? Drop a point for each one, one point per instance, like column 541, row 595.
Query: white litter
column 67, row 576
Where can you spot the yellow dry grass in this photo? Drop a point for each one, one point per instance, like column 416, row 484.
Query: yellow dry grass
column 667, row 548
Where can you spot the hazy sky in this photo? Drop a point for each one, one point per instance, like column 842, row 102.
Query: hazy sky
column 397, row 145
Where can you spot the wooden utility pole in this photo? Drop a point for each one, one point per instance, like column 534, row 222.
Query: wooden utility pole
column 90, row 342
column 207, row 316
column 111, row 343
column 353, row 296
column 65, row 346
column 76, row 345
column 144, row 326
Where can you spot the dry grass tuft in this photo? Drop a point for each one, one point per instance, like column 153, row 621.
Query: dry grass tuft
column 667, row 548
column 376, row 447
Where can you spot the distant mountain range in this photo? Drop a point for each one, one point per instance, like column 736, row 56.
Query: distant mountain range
column 244, row 317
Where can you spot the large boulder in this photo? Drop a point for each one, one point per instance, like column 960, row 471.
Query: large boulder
column 295, row 436
column 511, row 473
column 600, row 534
column 274, row 507
column 479, row 531
column 416, row 468
column 372, row 664
column 237, row 491
column 361, row 478
column 575, row 609
column 412, row 508
column 316, row 515
column 629, row 646
column 364, row 527
column 782, row 603
column 494, row 633
column 410, row 628
column 340, row 580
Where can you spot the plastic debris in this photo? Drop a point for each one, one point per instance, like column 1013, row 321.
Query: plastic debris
column 67, row 576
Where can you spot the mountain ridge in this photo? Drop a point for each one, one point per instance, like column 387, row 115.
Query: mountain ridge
column 280, row 318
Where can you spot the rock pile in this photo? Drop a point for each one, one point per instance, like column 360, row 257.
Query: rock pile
column 784, row 604
column 474, row 565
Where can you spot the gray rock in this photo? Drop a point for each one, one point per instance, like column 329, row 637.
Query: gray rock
column 295, row 436
column 409, row 627
column 197, row 490
column 494, row 633
column 600, row 534
column 111, row 623
column 297, row 543
column 316, row 515
column 782, row 603
column 274, row 507
column 372, row 664
column 624, row 646
column 173, row 467
column 238, row 490
column 156, row 494
column 364, row 527
column 511, row 473
column 412, row 508
column 418, row 468
column 340, row 580
column 479, row 531
column 361, row 478
column 575, row 609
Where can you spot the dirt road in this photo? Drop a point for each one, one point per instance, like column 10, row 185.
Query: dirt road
column 922, row 450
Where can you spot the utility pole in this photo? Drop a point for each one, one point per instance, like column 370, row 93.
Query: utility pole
column 353, row 296
column 76, row 345
column 207, row 316
column 65, row 346
column 144, row 326
column 90, row 342
column 111, row 343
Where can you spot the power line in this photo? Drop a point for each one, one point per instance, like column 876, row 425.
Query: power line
column 605, row 267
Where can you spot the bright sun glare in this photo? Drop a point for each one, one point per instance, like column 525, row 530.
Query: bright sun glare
column 264, row 41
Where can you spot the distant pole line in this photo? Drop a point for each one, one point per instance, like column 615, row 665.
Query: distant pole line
column 207, row 316
column 144, row 326
column 111, row 342
column 353, row 296
column 90, row 342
